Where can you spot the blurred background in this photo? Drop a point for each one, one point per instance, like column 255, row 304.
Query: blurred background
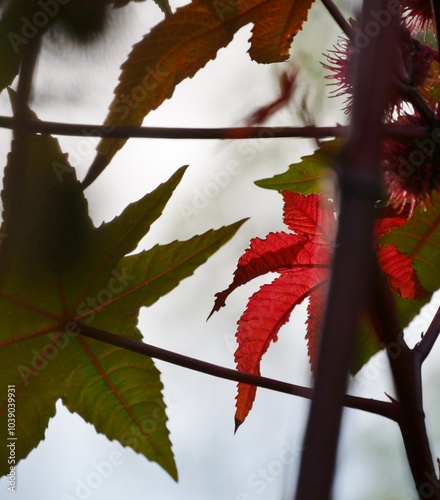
column 75, row 84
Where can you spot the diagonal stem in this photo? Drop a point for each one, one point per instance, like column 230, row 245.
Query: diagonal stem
column 338, row 17
column 413, row 95
column 406, row 365
column 427, row 343
column 383, row 408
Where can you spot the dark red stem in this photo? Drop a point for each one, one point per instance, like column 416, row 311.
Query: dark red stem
column 338, row 17
column 406, row 366
column 220, row 133
column 359, row 183
column 383, row 408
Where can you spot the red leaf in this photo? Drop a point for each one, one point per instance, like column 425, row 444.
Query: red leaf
column 388, row 218
column 279, row 251
column 311, row 215
column 262, row 114
column 315, row 312
column 302, row 259
column 401, row 276
column 267, row 310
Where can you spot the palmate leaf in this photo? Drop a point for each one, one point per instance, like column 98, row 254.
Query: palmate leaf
column 60, row 272
column 308, row 175
column 16, row 32
column 303, row 261
column 23, row 21
column 184, row 43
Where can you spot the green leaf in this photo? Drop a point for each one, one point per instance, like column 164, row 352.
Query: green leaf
column 17, row 31
column 367, row 343
column 120, row 392
column 141, row 279
column 308, row 175
column 63, row 272
column 22, row 21
column 184, row 43
column 420, row 239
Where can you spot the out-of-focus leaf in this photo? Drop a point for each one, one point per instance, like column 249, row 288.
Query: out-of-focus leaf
column 184, row 43
column 17, row 31
column 308, row 175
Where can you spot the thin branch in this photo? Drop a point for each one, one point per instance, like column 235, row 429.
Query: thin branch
column 413, row 95
column 406, row 367
column 427, row 343
column 338, row 17
column 219, row 133
column 129, row 131
column 383, row 408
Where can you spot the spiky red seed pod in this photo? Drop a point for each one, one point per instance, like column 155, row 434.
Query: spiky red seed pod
column 412, row 68
column 417, row 15
column 411, row 167
column 340, row 62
